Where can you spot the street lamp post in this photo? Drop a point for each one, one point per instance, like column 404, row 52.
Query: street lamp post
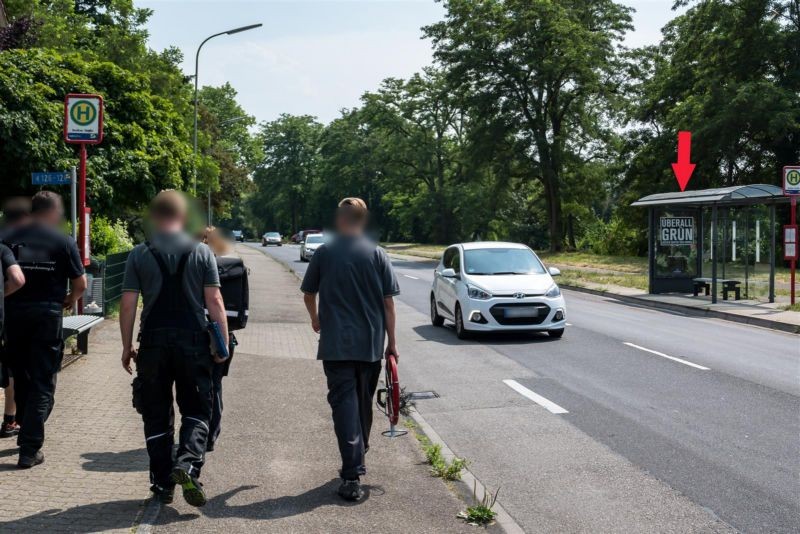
column 196, row 86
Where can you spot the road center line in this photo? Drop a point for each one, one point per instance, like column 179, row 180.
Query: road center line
column 535, row 397
column 673, row 358
column 412, row 277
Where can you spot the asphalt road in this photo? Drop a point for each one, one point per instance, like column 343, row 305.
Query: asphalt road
column 706, row 406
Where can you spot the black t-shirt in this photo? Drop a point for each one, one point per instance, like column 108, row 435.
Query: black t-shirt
column 48, row 259
column 6, row 261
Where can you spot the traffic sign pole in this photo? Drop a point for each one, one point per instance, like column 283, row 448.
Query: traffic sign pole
column 793, row 262
column 82, row 206
column 74, row 202
column 791, row 188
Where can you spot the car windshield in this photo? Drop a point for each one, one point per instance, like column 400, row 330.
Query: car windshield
column 237, row 232
column 273, row 234
column 315, row 239
column 489, row 261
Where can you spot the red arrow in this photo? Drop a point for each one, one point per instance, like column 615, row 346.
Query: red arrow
column 683, row 169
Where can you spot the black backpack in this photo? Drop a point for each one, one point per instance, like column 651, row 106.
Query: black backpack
column 235, row 290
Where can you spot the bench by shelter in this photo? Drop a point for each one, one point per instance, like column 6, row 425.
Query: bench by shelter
column 677, row 233
column 80, row 325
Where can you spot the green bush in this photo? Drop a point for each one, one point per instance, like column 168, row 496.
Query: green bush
column 613, row 238
column 108, row 236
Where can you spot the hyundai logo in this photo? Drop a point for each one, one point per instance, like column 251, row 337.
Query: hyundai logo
column 519, row 295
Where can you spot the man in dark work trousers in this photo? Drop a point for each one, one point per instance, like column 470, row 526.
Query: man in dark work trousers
column 176, row 277
column 356, row 285
column 49, row 259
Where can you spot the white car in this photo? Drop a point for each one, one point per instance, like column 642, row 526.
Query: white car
column 311, row 243
column 493, row 286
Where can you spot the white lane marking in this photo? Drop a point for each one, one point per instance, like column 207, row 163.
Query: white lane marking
column 538, row 399
column 412, row 277
column 673, row 358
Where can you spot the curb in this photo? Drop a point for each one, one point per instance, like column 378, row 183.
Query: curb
column 690, row 310
column 503, row 518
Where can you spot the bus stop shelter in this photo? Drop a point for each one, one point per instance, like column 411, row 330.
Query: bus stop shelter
column 677, row 224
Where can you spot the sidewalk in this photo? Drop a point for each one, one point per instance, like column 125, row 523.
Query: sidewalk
column 274, row 468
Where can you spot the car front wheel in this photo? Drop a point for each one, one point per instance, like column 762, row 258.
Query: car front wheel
column 461, row 332
column 556, row 333
column 436, row 319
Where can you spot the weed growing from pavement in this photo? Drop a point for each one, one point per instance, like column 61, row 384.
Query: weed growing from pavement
column 482, row 513
column 440, row 467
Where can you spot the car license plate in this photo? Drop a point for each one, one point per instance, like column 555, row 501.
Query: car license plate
column 515, row 313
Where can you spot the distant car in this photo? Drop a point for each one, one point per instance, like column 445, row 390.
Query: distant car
column 271, row 238
column 300, row 236
column 238, row 235
column 310, row 245
column 495, row 286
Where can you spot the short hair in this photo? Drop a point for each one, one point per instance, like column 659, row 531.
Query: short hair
column 45, row 201
column 16, row 209
column 168, row 204
column 353, row 209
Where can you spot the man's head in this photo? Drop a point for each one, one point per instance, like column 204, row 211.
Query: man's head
column 16, row 211
column 168, row 211
column 47, row 208
column 351, row 216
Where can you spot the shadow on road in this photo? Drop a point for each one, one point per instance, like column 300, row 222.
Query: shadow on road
column 447, row 336
column 116, row 462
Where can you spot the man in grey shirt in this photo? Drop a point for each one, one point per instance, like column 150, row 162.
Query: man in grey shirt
column 356, row 285
column 176, row 277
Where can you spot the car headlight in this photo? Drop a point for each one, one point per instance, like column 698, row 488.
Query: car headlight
column 478, row 293
column 553, row 292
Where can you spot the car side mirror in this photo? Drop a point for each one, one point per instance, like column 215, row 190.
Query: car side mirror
column 449, row 273
column 554, row 271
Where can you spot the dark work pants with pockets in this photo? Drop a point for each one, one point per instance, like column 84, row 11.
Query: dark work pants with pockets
column 351, row 390
column 220, row 370
column 34, row 351
column 182, row 358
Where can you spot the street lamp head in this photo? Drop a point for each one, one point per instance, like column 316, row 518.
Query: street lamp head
column 243, row 29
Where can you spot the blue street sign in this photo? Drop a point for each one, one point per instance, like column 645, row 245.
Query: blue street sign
column 51, row 178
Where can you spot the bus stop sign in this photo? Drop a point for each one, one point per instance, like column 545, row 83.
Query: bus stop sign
column 83, row 119
column 791, row 180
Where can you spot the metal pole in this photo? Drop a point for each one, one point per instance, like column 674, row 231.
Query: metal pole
column 746, row 252
column 651, row 259
column 73, row 186
column 194, row 153
column 84, row 232
column 74, row 202
column 772, row 254
column 793, row 261
column 714, row 241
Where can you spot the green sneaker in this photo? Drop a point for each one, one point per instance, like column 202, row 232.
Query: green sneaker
column 192, row 489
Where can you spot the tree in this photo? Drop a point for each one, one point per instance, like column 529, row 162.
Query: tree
column 729, row 72
column 286, row 175
column 549, row 69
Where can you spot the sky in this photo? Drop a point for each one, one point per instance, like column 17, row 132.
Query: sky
column 317, row 57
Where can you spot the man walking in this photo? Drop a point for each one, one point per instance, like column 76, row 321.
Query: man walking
column 11, row 279
column 16, row 212
column 177, row 278
column 356, row 285
column 49, row 259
